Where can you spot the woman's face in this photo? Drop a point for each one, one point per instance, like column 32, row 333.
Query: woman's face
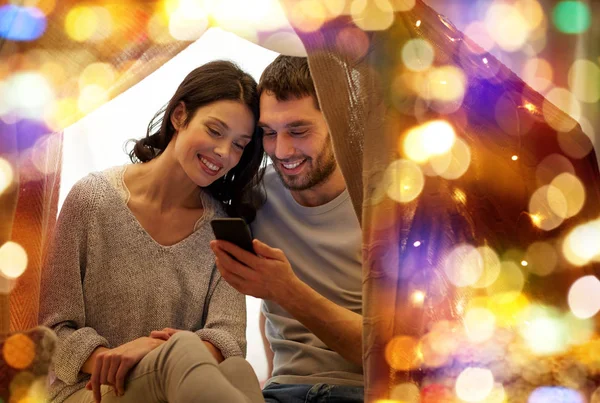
column 213, row 141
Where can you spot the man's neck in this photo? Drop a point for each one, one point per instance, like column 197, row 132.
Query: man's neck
column 322, row 193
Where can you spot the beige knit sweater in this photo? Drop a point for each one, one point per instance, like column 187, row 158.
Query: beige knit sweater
column 107, row 282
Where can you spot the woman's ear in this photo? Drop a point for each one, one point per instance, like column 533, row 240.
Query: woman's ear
column 178, row 116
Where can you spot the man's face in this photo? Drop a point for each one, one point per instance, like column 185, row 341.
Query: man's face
column 297, row 141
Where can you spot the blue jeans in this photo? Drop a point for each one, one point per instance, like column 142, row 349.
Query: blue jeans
column 319, row 393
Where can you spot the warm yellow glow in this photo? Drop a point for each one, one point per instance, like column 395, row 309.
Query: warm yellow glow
column 480, row 324
column 446, row 337
column 474, row 384
column 18, row 351
column 375, row 15
column 417, row 297
column 64, row 113
column 406, row 393
column 538, row 73
column 532, row 12
column 507, row 307
column 158, row 29
column 335, row 7
column 524, row 263
column 541, row 258
column 91, row 97
column 401, row 353
column 188, row 21
column 446, row 83
column 6, row 175
column 455, row 163
column 502, row 15
column 584, row 80
column 459, row 196
column 490, row 266
column 543, row 330
column 84, row 23
column 247, row 18
column 100, row 74
column 510, row 280
column 418, row 54
column 584, row 297
column 287, row 43
column 418, row 23
column 565, row 100
column 403, row 5
column 581, row 244
column 547, row 207
column 13, row 260
column 552, row 166
column 405, row 181
column 463, row 265
column 573, row 191
column 432, row 358
column 514, row 157
column 45, row 6
column 308, row 15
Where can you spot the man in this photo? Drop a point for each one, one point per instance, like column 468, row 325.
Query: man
column 308, row 241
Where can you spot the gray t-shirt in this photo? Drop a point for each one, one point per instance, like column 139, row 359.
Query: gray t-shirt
column 323, row 245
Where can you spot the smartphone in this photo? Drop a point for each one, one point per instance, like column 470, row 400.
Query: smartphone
column 233, row 230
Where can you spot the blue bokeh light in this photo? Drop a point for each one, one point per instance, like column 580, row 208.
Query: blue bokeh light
column 21, row 23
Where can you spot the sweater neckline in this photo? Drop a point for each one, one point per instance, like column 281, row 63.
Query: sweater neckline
column 140, row 228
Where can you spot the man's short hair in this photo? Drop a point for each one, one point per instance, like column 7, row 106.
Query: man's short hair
column 288, row 77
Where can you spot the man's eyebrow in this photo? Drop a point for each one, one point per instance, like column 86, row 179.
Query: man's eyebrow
column 299, row 123
column 262, row 125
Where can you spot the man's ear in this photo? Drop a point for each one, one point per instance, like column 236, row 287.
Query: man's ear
column 178, row 116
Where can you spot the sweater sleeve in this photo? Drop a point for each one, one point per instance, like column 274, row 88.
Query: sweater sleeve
column 225, row 326
column 62, row 304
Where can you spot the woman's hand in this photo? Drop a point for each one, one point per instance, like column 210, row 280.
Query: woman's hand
column 112, row 366
column 164, row 334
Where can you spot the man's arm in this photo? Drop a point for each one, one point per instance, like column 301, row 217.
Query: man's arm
column 262, row 321
column 270, row 276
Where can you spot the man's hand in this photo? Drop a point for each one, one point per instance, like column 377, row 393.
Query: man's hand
column 112, row 366
column 267, row 276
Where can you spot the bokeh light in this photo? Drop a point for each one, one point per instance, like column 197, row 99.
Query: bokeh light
column 584, row 80
column 353, row 41
column 532, row 12
column 478, row 33
column 91, row 97
column 405, row 181
column 455, row 163
column 21, row 23
column 13, row 260
column 547, row 208
column 490, row 267
column 474, row 384
column 573, row 191
column 285, row 42
column 188, row 21
column 572, row 17
column 552, row 166
column 543, row 330
column 510, row 280
column 584, row 297
column 100, row 74
column 402, row 354
column 503, row 15
column 463, row 265
column 86, row 23
column 418, row 54
column 445, row 83
column 432, row 138
column 566, row 101
column 375, row 15
column 18, row 351
column 541, row 258
column 6, row 175
column 551, row 394
column 480, row 324
column 19, row 100
column 406, row 392
column 308, row 15
column 581, row 245
column 538, row 73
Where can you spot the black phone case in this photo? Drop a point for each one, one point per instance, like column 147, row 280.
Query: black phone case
column 233, row 230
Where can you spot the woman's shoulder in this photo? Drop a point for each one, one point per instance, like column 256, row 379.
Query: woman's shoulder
column 90, row 188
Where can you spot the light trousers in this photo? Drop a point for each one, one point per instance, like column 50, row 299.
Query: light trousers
column 182, row 370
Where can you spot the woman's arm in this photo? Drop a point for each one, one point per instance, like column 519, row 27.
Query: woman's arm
column 62, row 305
column 225, row 327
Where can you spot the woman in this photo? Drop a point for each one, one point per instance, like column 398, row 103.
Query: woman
column 130, row 265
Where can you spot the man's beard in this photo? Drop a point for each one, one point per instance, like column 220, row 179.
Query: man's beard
column 318, row 172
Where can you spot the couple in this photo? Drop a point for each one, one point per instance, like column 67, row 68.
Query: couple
column 148, row 307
